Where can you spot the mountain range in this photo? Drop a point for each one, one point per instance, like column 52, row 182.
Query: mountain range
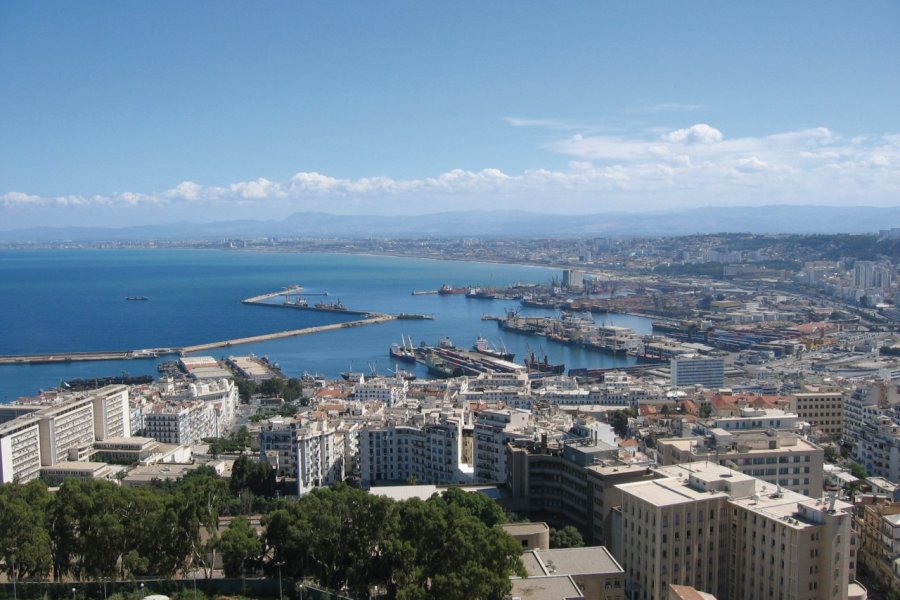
column 511, row 224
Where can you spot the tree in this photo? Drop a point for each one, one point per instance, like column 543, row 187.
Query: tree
column 241, row 548
column 254, row 475
column 705, row 410
column 619, row 422
column 858, row 471
column 567, row 537
column 479, row 505
column 831, row 454
column 24, row 540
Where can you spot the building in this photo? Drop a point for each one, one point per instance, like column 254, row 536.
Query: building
column 878, row 526
column 112, row 416
column 60, row 472
column 390, row 391
column 573, row 279
column 595, row 572
column 693, row 369
column 67, row 431
column 430, row 453
column 532, row 536
column 185, row 423
column 734, row 536
column 493, row 430
column 782, row 459
column 20, row 450
column 822, row 409
column 565, row 487
column 311, row 452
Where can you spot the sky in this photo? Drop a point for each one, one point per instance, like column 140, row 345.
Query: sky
column 121, row 113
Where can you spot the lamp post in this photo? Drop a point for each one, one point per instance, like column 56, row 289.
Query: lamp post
column 142, row 589
column 73, row 593
column 279, row 564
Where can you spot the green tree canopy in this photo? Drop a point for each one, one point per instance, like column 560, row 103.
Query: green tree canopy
column 567, row 537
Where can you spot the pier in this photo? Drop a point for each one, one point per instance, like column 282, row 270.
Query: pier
column 62, row 357
column 371, row 320
column 293, row 290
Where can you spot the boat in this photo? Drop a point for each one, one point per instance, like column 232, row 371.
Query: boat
column 448, row 289
column 439, row 368
column 487, row 317
column 404, row 374
column 415, row 317
column 402, row 352
column 483, row 346
column 298, row 303
column 424, row 292
column 354, row 376
column 136, row 298
column 543, row 366
column 446, row 343
column 334, row 306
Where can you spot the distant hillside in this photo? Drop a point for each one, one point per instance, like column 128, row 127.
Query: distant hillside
column 758, row 219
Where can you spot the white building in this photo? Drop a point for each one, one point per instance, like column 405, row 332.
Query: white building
column 430, row 453
column 389, row 391
column 693, row 369
column 20, row 450
column 184, row 423
column 311, row 452
column 493, row 430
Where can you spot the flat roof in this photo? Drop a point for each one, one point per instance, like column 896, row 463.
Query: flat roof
column 560, row 587
column 591, row 560
column 75, row 466
column 525, row 528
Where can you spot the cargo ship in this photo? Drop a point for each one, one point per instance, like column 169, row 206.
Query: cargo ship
column 483, row 346
column 447, row 289
column 543, row 366
column 402, row 352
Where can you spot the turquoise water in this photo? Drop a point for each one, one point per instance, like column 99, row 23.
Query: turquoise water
column 74, row 300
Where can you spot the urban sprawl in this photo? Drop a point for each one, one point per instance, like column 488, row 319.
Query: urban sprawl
column 752, row 450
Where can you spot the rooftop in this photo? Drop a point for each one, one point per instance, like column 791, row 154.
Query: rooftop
column 576, row 561
column 545, row 588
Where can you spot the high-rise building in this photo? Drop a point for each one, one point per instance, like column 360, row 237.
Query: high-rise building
column 734, row 536
column 20, row 450
column 493, row 429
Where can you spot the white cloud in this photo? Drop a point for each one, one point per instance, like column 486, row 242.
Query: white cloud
column 689, row 166
column 695, row 134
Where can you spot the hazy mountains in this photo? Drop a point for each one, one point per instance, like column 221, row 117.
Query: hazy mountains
column 761, row 219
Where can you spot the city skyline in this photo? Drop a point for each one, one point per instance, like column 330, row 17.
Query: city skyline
column 120, row 115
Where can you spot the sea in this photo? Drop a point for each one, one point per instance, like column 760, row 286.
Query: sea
column 74, row 300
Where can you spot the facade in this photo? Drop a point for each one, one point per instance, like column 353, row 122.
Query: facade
column 112, row 418
column 566, row 488
column 878, row 524
column 184, row 424
column 693, row 369
column 20, row 450
column 64, row 428
column 311, row 452
column 824, row 410
column 429, row 454
column 387, row 391
column 734, row 536
column 493, row 430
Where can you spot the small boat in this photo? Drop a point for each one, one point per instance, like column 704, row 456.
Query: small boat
column 136, row 298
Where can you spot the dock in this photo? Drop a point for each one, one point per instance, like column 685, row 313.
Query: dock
column 294, row 289
column 64, row 357
column 371, row 320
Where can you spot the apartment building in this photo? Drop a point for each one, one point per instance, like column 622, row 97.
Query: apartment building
column 389, row 391
column 734, row 536
column 822, row 409
column 780, row 458
column 312, row 452
column 877, row 445
column 493, row 430
column 430, row 453
column 878, row 526
column 184, row 423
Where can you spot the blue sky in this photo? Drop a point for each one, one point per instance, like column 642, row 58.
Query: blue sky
column 124, row 112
